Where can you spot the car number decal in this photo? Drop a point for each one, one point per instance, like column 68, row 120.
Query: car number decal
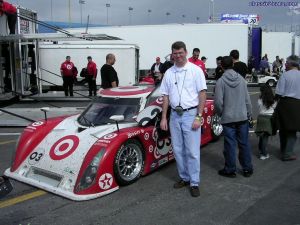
column 36, row 156
column 64, row 147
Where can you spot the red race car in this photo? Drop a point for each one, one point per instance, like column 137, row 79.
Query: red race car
column 113, row 142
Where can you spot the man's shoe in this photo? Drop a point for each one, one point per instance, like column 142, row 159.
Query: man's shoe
column 289, row 158
column 181, row 184
column 247, row 173
column 263, row 157
column 226, row 174
column 195, row 191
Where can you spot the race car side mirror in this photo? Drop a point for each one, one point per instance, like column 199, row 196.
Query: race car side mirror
column 117, row 118
column 45, row 110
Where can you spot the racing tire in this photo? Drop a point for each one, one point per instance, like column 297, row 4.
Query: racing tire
column 129, row 162
column 271, row 83
column 216, row 127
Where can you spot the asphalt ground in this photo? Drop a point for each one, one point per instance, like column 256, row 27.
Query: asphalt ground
column 270, row 197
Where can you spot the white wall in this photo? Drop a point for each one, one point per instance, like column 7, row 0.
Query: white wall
column 213, row 40
column 277, row 43
column 297, row 45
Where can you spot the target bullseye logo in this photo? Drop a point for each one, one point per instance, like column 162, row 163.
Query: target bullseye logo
column 69, row 67
column 64, row 147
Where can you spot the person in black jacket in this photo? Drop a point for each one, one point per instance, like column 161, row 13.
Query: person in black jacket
column 238, row 66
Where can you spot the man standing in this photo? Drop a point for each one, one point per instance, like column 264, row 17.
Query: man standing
column 11, row 12
column 109, row 76
column 195, row 60
column 288, row 107
column 67, row 71
column 184, row 89
column 91, row 76
column 233, row 105
column 156, row 69
column 219, row 70
column 238, row 66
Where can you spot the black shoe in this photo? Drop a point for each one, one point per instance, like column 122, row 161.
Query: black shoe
column 291, row 158
column 181, row 184
column 247, row 173
column 195, row 191
column 226, row 174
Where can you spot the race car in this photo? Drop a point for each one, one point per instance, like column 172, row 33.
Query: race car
column 114, row 141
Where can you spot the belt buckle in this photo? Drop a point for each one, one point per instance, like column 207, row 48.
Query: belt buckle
column 179, row 110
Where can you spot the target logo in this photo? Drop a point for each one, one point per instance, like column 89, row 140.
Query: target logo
column 64, row 147
column 105, row 181
column 160, row 100
column 38, row 123
column 69, row 67
column 110, row 136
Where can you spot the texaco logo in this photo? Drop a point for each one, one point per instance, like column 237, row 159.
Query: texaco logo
column 208, row 120
column 64, row 147
column 205, row 109
column 38, row 123
column 212, row 107
column 105, row 181
column 146, row 136
column 69, row 67
column 110, row 136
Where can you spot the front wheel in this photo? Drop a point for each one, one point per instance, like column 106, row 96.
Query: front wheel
column 129, row 162
column 271, row 83
column 216, row 127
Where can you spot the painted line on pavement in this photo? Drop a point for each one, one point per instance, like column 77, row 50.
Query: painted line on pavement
column 7, row 142
column 10, row 134
column 21, row 198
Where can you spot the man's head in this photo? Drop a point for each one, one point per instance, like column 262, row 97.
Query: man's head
column 218, row 60
column 196, row 53
column 110, row 59
column 235, row 55
column 203, row 59
column 89, row 58
column 179, row 53
column 227, row 62
column 292, row 62
column 157, row 60
column 68, row 58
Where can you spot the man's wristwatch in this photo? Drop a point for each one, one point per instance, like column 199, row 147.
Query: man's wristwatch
column 198, row 116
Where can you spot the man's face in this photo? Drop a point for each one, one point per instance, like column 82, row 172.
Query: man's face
column 157, row 61
column 196, row 55
column 113, row 60
column 179, row 56
column 68, row 59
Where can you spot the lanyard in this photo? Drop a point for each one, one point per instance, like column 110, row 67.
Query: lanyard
column 176, row 83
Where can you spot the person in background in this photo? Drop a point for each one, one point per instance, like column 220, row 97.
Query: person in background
column 11, row 12
column 91, row 76
column 68, row 73
column 276, row 65
column 232, row 103
column 219, row 70
column 238, row 66
column 168, row 63
column 266, row 105
column 288, row 107
column 195, row 59
column 251, row 64
column 109, row 76
column 204, row 59
column 156, row 70
column 184, row 89
column 264, row 66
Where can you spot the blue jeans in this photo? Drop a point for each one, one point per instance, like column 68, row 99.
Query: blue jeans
column 186, row 145
column 237, row 134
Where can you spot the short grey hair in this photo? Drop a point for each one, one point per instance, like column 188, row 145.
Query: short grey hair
column 293, row 61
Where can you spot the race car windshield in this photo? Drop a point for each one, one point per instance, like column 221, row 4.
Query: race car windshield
column 99, row 112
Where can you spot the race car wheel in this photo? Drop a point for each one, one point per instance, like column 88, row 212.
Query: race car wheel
column 129, row 162
column 216, row 127
column 271, row 83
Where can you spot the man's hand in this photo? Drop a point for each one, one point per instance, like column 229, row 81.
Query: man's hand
column 164, row 124
column 196, row 124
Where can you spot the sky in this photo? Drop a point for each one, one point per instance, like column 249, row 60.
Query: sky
column 161, row 11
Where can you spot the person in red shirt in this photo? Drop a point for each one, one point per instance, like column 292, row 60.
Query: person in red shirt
column 91, row 76
column 68, row 72
column 11, row 12
column 195, row 60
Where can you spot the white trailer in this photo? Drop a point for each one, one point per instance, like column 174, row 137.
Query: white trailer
column 297, row 45
column 213, row 40
column 52, row 55
column 277, row 43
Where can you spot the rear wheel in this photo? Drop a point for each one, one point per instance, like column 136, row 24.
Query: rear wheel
column 129, row 162
column 271, row 83
column 216, row 127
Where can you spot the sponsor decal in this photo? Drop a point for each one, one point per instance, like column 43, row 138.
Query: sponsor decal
column 208, row 120
column 212, row 107
column 104, row 141
column 162, row 161
column 38, row 123
column 69, row 67
column 205, row 110
column 64, row 147
column 159, row 100
column 105, row 181
column 110, row 136
column 137, row 132
column 151, row 148
column 171, row 157
column 36, row 156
